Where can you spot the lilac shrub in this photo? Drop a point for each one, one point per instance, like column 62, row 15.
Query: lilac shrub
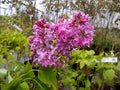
column 51, row 44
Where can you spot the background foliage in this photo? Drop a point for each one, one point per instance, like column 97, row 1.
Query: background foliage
column 14, row 47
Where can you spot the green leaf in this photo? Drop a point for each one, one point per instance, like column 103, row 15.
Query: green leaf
column 118, row 66
column 78, row 61
column 9, row 78
column 108, row 75
column 82, row 88
column 91, row 52
column 99, row 82
column 82, row 76
column 12, row 85
column 100, row 66
column 68, row 80
column 40, row 85
column 87, row 83
column 2, row 61
column 73, row 88
column 28, row 71
column 74, row 74
column 82, row 64
column 17, row 48
column 19, row 63
column 23, row 86
column 48, row 76
column 10, row 57
column 3, row 72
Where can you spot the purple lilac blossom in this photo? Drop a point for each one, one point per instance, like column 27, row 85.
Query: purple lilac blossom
column 51, row 44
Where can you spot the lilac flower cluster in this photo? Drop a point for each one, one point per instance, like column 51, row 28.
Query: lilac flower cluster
column 51, row 44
